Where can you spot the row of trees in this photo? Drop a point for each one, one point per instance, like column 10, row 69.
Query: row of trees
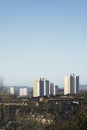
column 64, row 118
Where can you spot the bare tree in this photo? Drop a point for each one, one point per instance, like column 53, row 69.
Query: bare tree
column 1, row 84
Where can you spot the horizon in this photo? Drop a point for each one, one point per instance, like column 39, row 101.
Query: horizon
column 42, row 39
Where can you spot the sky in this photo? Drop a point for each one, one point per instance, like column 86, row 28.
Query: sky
column 42, row 38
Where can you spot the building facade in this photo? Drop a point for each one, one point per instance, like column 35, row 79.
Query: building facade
column 11, row 90
column 23, row 92
column 51, row 86
column 71, row 84
column 46, row 87
column 55, row 92
column 41, row 87
column 53, row 89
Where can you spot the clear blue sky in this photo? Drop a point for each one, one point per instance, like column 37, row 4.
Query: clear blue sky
column 46, row 38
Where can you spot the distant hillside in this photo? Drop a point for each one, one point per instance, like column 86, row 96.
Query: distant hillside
column 5, row 88
column 83, row 87
column 30, row 89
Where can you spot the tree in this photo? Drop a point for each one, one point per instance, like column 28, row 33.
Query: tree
column 1, row 85
column 82, row 118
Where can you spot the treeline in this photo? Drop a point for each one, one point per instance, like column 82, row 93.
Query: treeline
column 70, row 114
